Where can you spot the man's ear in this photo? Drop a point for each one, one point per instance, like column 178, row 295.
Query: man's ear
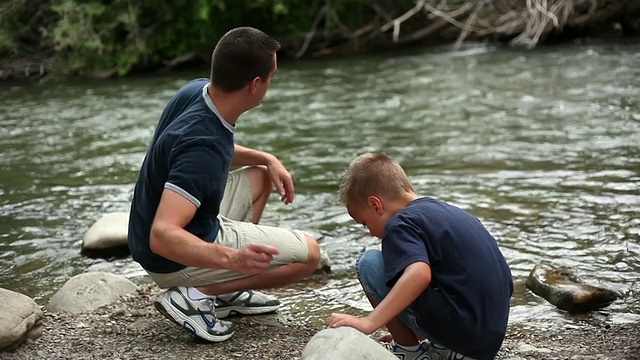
column 376, row 204
column 253, row 86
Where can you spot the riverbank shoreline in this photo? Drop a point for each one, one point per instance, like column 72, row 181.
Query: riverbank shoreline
column 132, row 329
column 47, row 67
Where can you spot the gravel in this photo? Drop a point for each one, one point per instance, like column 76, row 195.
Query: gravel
column 132, row 329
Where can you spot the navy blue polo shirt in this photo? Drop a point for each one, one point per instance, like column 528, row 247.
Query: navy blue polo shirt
column 466, row 305
column 190, row 154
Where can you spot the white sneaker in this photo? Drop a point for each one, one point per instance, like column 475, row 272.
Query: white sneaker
column 426, row 351
column 197, row 316
column 245, row 302
column 403, row 354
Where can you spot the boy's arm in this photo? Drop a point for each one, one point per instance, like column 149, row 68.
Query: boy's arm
column 414, row 280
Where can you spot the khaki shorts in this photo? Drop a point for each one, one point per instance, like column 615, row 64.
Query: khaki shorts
column 236, row 230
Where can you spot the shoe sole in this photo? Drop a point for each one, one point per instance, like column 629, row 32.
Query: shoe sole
column 244, row 310
column 185, row 322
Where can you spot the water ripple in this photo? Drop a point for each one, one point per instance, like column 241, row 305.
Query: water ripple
column 542, row 146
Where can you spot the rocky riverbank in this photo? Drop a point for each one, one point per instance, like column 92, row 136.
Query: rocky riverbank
column 132, row 329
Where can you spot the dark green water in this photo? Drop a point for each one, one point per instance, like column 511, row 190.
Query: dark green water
column 543, row 146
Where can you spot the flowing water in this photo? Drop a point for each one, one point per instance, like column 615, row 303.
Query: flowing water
column 542, row 146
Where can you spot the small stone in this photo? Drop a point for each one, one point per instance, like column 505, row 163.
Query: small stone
column 118, row 312
column 524, row 347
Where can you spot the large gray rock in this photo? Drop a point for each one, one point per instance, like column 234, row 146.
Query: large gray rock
column 562, row 289
column 89, row 291
column 107, row 236
column 20, row 319
column 344, row 343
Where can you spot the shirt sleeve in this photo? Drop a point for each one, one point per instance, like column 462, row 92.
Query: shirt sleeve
column 195, row 168
column 402, row 246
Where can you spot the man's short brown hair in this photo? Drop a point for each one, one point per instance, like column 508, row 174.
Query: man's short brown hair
column 373, row 174
column 240, row 55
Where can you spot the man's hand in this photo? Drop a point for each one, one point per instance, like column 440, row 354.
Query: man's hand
column 363, row 324
column 282, row 179
column 253, row 259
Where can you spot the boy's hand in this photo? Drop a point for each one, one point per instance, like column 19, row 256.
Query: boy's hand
column 362, row 324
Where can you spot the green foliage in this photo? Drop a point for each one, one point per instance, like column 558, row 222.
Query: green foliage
column 20, row 23
column 7, row 42
column 91, row 36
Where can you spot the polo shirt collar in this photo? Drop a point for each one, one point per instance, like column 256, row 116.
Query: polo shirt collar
column 212, row 107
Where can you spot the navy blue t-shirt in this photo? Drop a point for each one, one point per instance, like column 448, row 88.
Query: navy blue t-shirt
column 466, row 305
column 191, row 154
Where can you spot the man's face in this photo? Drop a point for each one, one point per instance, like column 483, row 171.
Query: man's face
column 263, row 86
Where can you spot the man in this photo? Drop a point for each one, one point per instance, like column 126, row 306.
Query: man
column 193, row 224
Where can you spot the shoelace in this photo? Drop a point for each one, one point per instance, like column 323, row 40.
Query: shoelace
column 212, row 305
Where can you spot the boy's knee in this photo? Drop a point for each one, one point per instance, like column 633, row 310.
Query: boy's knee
column 370, row 269
column 368, row 261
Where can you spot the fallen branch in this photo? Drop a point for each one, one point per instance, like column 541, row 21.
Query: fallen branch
column 314, row 27
column 402, row 18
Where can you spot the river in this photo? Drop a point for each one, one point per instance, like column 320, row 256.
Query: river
column 543, row 146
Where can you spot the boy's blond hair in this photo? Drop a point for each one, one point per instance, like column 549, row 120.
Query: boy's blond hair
column 373, row 174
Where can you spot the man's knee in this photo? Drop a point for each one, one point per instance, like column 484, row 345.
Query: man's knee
column 259, row 180
column 313, row 252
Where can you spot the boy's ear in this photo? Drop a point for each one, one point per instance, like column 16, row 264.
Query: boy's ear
column 376, row 204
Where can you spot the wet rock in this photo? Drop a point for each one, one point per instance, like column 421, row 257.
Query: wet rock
column 562, row 289
column 20, row 319
column 344, row 343
column 89, row 291
column 107, row 237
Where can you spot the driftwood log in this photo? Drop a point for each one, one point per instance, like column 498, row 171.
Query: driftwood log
column 521, row 22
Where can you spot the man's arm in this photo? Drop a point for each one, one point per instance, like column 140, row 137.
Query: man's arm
column 414, row 280
column 243, row 156
column 279, row 175
column 169, row 239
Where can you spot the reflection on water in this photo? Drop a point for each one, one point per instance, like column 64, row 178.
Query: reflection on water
column 542, row 146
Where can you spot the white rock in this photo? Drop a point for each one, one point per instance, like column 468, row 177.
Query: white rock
column 108, row 232
column 20, row 319
column 344, row 343
column 89, row 291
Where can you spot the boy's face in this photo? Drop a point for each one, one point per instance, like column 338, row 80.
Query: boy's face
column 372, row 216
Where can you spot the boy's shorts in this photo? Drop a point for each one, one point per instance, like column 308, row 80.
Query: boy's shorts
column 236, row 230
column 370, row 268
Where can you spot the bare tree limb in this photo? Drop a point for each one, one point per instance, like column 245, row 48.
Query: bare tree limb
column 402, row 18
column 468, row 25
column 314, row 27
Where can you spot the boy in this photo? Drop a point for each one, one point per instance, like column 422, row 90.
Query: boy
column 440, row 275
